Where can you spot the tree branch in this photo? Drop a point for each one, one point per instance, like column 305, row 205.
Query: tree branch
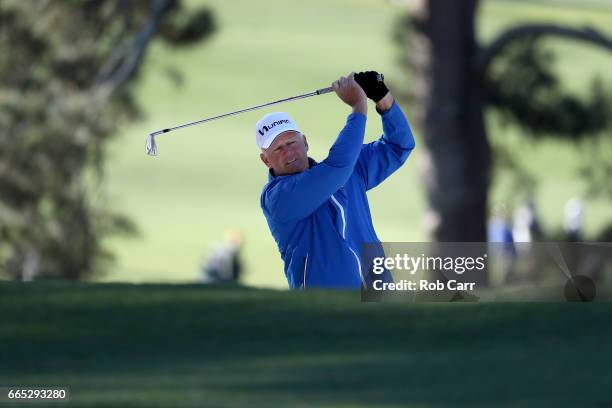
column 586, row 34
column 132, row 56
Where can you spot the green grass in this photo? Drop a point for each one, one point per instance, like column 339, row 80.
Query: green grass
column 207, row 179
column 192, row 346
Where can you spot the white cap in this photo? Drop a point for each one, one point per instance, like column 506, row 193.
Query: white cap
column 272, row 125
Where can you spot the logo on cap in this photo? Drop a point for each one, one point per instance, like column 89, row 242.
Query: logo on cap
column 272, row 125
column 267, row 128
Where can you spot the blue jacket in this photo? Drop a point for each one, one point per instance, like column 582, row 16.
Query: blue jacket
column 320, row 217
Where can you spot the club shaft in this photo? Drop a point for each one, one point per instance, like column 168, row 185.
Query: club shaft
column 197, row 122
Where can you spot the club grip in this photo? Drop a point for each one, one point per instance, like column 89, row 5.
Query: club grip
column 379, row 78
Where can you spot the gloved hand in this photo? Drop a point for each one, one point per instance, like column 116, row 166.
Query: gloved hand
column 372, row 84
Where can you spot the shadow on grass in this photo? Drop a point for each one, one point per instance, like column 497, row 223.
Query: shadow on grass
column 153, row 345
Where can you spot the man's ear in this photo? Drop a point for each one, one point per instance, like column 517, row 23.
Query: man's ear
column 264, row 159
column 305, row 141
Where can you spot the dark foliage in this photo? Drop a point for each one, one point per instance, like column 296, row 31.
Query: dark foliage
column 65, row 74
column 522, row 85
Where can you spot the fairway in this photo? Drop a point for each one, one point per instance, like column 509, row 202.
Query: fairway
column 193, row 346
column 207, row 179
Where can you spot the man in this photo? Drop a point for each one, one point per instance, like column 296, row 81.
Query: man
column 318, row 213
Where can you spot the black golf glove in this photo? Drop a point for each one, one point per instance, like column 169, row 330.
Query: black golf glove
column 372, row 84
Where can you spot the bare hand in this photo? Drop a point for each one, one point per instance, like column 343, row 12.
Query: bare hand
column 351, row 93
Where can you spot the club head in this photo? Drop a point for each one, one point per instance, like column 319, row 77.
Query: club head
column 151, row 146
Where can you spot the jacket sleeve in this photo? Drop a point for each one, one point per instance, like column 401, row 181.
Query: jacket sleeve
column 379, row 159
column 297, row 196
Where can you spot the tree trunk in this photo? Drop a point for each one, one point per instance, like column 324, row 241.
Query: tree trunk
column 456, row 165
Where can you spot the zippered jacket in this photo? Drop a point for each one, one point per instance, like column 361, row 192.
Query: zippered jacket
column 320, row 217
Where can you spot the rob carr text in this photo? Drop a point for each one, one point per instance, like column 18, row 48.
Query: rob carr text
column 424, row 285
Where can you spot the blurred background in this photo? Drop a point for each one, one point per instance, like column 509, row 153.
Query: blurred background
column 510, row 103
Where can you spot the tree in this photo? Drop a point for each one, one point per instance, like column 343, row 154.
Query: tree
column 455, row 79
column 66, row 70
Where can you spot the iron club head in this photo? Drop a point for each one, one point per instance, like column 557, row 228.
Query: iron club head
column 151, row 146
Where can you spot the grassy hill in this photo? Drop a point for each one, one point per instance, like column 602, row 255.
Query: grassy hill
column 192, row 346
column 207, row 179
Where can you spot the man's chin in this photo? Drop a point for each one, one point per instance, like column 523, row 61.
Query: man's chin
column 295, row 167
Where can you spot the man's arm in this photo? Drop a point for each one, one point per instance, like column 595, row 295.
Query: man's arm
column 299, row 195
column 385, row 103
column 378, row 160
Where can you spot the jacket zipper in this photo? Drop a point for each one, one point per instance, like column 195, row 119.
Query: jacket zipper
column 344, row 237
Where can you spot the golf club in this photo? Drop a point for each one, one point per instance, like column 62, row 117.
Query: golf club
column 151, row 146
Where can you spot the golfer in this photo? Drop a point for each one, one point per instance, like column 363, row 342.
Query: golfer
column 318, row 213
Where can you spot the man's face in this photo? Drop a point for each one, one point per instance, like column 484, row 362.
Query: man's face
column 287, row 154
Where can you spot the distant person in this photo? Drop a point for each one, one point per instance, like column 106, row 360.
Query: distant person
column 526, row 230
column 499, row 231
column 526, row 226
column 501, row 239
column 223, row 264
column 318, row 213
column 574, row 219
